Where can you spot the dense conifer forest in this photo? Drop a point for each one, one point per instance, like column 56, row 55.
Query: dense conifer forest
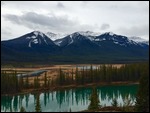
column 10, row 83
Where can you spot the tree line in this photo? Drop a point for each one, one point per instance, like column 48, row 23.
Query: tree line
column 10, row 83
column 102, row 73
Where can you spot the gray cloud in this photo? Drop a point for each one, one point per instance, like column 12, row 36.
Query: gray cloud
column 141, row 31
column 6, row 32
column 126, row 18
column 13, row 18
column 49, row 22
column 60, row 5
column 105, row 26
column 35, row 21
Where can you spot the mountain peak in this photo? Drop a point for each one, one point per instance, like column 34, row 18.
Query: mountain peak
column 36, row 33
column 73, row 47
column 54, row 36
column 89, row 33
column 75, row 34
column 35, row 38
column 109, row 33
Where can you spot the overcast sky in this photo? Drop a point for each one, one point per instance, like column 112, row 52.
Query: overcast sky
column 124, row 18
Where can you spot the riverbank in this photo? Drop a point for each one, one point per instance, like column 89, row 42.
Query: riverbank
column 67, row 87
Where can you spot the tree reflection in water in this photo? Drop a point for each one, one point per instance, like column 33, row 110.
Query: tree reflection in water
column 66, row 100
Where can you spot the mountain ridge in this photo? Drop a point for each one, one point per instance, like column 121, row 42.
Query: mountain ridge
column 75, row 47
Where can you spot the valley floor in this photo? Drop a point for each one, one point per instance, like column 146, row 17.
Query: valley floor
column 53, row 72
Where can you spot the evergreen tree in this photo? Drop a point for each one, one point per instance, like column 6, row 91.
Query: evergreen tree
column 91, row 74
column 61, row 78
column 38, row 106
column 45, row 80
column 27, row 82
column 72, row 76
column 114, row 102
column 36, row 82
column 82, row 76
column 22, row 109
column 127, row 103
column 94, row 100
column 21, row 82
column 77, row 76
column 142, row 99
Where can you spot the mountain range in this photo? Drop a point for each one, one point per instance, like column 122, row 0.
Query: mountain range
column 78, row 47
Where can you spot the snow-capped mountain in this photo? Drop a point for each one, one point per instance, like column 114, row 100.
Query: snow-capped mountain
column 93, row 46
column 140, row 41
column 71, row 39
column 35, row 40
column 38, row 38
column 137, row 39
column 54, row 36
column 146, row 42
column 89, row 33
column 57, row 38
column 98, row 38
column 114, row 38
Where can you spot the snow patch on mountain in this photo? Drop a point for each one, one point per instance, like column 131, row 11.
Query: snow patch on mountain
column 30, row 43
column 54, row 36
column 35, row 41
column 137, row 39
column 146, row 42
column 116, row 42
column 111, row 33
column 28, row 38
column 33, row 36
column 97, row 39
column 89, row 34
column 58, row 42
column 38, row 33
column 71, row 39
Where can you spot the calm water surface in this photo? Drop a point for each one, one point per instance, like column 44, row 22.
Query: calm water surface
column 74, row 99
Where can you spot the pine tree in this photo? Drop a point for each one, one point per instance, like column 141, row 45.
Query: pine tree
column 61, row 78
column 38, row 106
column 114, row 102
column 21, row 82
column 127, row 103
column 142, row 99
column 36, row 82
column 77, row 76
column 91, row 74
column 94, row 100
column 72, row 76
column 45, row 80
column 22, row 109
column 27, row 82
column 82, row 76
